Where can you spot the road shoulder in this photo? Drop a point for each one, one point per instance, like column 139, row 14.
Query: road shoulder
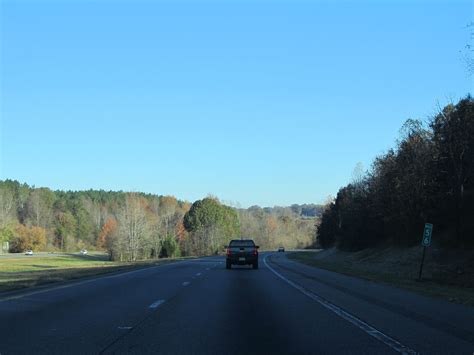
column 404, row 315
column 401, row 274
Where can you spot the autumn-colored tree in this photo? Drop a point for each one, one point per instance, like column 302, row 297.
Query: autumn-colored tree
column 25, row 238
column 270, row 228
column 109, row 227
column 168, row 206
column 180, row 232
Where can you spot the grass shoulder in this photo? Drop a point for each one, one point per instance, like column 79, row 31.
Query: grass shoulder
column 25, row 272
column 444, row 277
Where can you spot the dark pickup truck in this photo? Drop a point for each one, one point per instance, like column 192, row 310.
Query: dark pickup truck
column 242, row 252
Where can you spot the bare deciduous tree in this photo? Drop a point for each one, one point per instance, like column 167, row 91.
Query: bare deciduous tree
column 6, row 206
column 134, row 228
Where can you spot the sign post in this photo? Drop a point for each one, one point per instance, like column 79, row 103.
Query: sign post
column 425, row 242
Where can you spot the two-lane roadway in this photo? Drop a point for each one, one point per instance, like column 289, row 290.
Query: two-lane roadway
column 199, row 307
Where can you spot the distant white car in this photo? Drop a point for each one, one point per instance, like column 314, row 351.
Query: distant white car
column 29, row 252
column 83, row 252
column 281, row 250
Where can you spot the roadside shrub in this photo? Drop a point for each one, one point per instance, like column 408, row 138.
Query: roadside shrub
column 170, row 248
column 25, row 238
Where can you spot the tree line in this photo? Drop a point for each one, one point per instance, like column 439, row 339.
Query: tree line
column 427, row 177
column 135, row 226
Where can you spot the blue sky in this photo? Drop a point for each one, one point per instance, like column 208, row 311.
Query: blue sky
column 268, row 103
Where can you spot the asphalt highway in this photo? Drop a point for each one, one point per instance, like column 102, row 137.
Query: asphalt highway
column 198, row 307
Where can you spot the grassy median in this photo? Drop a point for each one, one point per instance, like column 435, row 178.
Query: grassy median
column 24, row 272
column 443, row 277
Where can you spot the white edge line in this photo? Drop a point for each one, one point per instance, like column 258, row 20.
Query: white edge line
column 186, row 283
column 156, row 304
column 392, row 343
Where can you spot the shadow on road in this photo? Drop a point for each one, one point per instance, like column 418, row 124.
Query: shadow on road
column 90, row 257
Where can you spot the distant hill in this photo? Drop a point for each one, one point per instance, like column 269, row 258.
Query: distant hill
column 302, row 211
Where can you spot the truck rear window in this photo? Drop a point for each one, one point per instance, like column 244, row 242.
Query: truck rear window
column 241, row 243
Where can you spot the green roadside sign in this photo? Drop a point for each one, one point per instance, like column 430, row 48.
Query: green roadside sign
column 426, row 241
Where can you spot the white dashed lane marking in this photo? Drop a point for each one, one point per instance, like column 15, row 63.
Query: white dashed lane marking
column 186, row 283
column 156, row 304
column 97, row 279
